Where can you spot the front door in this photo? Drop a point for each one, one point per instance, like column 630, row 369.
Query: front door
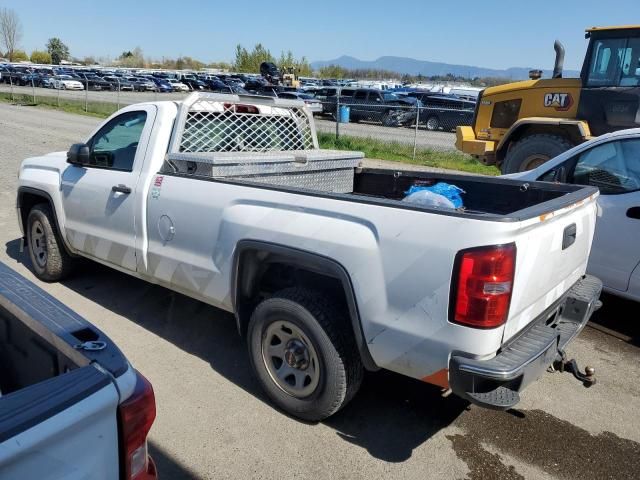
column 99, row 197
column 613, row 167
column 610, row 98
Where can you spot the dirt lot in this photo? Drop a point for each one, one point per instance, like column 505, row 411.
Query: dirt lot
column 214, row 422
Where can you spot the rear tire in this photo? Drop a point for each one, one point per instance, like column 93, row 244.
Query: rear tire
column 532, row 151
column 433, row 123
column 304, row 354
column 49, row 259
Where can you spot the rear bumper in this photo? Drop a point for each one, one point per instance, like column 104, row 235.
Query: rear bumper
column 496, row 383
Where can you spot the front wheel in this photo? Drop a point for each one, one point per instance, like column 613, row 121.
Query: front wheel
column 303, row 353
column 390, row 118
column 49, row 259
column 532, row 151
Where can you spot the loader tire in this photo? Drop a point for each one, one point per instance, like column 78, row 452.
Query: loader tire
column 532, row 151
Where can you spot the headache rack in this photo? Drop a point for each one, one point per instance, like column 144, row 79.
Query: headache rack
column 256, row 139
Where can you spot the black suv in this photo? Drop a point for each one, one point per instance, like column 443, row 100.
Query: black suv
column 374, row 105
column 442, row 111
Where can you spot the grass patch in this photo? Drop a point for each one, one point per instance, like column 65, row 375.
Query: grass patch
column 94, row 109
column 403, row 153
column 372, row 148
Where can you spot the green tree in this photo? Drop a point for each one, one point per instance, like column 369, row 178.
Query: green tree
column 131, row 58
column 58, row 50
column 19, row 56
column 249, row 62
column 40, row 56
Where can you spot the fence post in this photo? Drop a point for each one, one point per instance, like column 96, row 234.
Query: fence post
column 58, row 96
column 86, row 93
column 118, row 80
column 338, row 114
column 33, row 91
column 415, row 136
column 13, row 99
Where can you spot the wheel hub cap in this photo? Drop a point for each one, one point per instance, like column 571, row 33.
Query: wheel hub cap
column 39, row 243
column 290, row 359
column 296, row 355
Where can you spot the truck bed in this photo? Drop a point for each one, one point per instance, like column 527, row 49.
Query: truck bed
column 43, row 371
column 494, row 197
column 488, row 198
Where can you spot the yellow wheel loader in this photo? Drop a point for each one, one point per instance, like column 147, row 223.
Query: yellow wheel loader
column 519, row 126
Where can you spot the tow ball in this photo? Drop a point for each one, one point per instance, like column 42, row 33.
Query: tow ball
column 587, row 378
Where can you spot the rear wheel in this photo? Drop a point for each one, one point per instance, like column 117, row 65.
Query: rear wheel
column 433, row 123
column 532, row 151
column 49, row 259
column 303, row 353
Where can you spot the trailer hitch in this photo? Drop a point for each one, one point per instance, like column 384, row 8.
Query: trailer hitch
column 587, row 378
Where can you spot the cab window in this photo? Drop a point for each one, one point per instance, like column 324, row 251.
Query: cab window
column 614, row 62
column 115, row 145
column 613, row 167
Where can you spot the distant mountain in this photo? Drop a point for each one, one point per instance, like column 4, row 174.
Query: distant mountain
column 412, row 66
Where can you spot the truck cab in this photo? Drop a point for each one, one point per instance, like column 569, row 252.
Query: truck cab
column 521, row 125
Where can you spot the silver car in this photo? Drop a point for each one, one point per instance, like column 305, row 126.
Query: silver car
column 610, row 162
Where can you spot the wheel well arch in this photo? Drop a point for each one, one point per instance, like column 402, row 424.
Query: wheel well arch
column 573, row 131
column 28, row 198
column 260, row 268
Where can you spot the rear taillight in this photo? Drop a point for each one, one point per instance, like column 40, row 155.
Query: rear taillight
column 482, row 284
column 137, row 414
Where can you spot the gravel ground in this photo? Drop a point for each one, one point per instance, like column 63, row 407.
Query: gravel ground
column 214, row 422
column 425, row 139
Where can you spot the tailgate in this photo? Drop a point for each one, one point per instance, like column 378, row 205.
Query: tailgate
column 552, row 254
column 65, row 427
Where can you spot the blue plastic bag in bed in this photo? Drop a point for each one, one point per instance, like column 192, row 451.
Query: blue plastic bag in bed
column 451, row 192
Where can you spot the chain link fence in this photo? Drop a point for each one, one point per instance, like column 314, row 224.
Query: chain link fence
column 427, row 122
column 90, row 95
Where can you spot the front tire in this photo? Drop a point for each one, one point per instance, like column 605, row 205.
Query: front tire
column 49, row 259
column 304, row 354
column 532, row 151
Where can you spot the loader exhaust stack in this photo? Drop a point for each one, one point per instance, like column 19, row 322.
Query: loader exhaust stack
column 557, row 67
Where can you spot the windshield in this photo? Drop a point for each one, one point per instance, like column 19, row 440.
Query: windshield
column 391, row 97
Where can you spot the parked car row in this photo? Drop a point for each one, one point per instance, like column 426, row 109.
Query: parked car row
column 434, row 111
column 100, row 79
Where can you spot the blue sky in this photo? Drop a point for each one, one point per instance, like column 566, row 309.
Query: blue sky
column 495, row 34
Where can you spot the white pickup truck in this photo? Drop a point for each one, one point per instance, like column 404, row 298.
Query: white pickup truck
column 71, row 406
column 229, row 200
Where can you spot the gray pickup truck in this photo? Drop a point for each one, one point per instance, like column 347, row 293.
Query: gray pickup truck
column 71, row 405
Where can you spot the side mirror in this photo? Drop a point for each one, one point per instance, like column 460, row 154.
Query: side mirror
column 78, row 154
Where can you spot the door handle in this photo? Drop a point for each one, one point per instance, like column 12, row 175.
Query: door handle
column 634, row 212
column 121, row 189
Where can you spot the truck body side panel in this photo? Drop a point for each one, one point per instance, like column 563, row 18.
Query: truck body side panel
column 399, row 261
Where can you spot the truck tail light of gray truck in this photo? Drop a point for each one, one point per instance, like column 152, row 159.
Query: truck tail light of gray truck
column 212, row 176
column 71, row 405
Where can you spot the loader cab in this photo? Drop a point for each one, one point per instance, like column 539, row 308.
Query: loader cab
column 610, row 97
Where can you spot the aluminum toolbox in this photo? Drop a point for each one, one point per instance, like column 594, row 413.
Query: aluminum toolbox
column 256, row 139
